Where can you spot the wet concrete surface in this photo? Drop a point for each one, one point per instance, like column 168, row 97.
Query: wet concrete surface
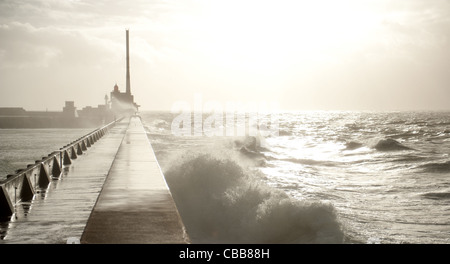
column 135, row 204
column 62, row 210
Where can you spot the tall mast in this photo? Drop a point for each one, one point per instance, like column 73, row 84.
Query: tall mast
column 128, row 66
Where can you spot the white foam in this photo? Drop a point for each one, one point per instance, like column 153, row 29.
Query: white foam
column 222, row 202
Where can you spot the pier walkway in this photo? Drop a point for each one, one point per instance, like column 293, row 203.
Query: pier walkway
column 135, row 204
column 114, row 193
column 61, row 211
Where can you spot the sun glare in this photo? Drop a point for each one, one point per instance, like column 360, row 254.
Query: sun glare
column 267, row 35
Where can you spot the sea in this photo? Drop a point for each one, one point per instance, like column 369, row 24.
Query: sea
column 323, row 177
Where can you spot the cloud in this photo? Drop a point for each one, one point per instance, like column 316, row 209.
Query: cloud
column 37, row 33
column 25, row 46
column 72, row 49
column 284, row 49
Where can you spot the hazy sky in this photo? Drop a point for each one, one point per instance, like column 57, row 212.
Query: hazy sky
column 305, row 55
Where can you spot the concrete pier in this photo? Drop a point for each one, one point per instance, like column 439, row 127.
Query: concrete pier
column 135, row 204
column 23, row 185
column 112, row 191
column 49, row 216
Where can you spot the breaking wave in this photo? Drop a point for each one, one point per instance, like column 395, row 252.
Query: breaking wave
column 387, row 144
column 390, row 144
column 352, row 145
column 222, row 202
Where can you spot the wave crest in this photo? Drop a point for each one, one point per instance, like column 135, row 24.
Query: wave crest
column 390, row 144
column 437, row 195
column 221, row 202
column 436, row 167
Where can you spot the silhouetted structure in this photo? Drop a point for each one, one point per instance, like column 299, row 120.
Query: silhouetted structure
column 70, row 117
column 69, row 110
column 123, row 103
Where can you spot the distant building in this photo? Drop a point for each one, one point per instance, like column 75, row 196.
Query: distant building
column 121, row 104
column 69, row 110
column 69, row 117
column 12, row 111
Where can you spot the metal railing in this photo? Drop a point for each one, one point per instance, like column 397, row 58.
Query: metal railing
column 25, row 183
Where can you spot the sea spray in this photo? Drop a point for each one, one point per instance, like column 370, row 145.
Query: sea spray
column 221, row 201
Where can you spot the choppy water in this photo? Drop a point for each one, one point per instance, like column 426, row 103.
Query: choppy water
column 20, row 147
column 328, row 177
